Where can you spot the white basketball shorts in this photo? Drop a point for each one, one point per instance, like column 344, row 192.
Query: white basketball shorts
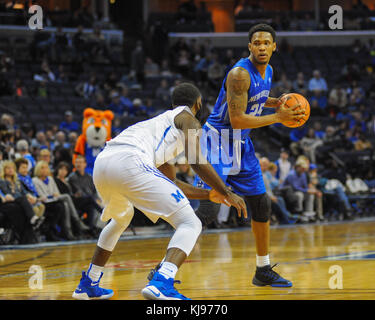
column 124, row 177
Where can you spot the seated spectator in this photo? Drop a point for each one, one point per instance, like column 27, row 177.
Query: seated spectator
column 303, row 196
column 82, row 185
column 283, row 165
column 12, row 216
column 124, row 97
column 61, row 43
column 314, row 185
column 60, row 141
column 139, row 110
column 277, row 203
column 320, row 97
column 11, row 186
column 42, row 90
column 87, row 89
column 79, row 43
column 22, row 148
column 61, row 75
column 116, row 105
column 283, row 85
column 45, row 155
column 40, row 141
column 164, row 69
column 309, row 143
column 151, row 69
column 299, row 84
column 362, row 143
column 319, row 133
column 81, row 203
column 45, row 74
column 28, row 186
column 69, row 125
column 60, row 206
column 317, row 82
column 162, row 92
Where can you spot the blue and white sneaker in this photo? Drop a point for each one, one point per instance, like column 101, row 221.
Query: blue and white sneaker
column 160, row 288
column 90, row 290
column 265, row 276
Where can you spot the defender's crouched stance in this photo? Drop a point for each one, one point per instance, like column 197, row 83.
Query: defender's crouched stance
column 126, row 174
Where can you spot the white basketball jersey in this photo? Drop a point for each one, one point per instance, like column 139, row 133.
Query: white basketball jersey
column 156, row 139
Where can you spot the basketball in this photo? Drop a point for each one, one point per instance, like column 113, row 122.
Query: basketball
column 304, row 105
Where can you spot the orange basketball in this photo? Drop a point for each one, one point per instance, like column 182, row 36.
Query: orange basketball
column 295, row 98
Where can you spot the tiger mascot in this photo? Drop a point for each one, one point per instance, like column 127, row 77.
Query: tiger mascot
column 96, row 130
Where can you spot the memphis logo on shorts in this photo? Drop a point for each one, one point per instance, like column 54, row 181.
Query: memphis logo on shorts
column 178, row 196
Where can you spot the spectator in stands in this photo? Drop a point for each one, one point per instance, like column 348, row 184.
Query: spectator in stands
column 139, row 109
column 316, row 110
column 45, row 155
column 164, row 69
column 98, row 45
column 111, row 81
column 12, row 216
column 187, row 10
column 45, row 74
column 319, row 133
column 284, row 85
column 162, row 92
column 314, row 186
column 362, row 143
column 60, row 141
column 277, row 203
column 41, row 44
column 61, row 74
column 82, row 204
column 320, row 97
column 88, row 88
column 297, row 180
column 150, row 109
column 337, row 98
column 309, row 143
column 283, row 165
column 50, row 195
column 28, row 187
column 317, row 82
column 11, row 186
column 116, row 105
column 299, row 84
column 82, row 185
column 69, row 125
column 22, row 148
column 40, row 141
column 151, row 68
column 124, row 97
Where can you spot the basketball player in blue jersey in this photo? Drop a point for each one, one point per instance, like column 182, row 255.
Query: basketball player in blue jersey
column 244, row 93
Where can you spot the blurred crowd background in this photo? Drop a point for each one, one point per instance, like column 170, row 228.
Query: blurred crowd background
column 322, row 171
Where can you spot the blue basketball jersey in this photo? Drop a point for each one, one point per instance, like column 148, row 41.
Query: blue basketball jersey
column 233, row 156
column 257, row 96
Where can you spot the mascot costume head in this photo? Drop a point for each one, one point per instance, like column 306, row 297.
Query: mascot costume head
column 96, row 130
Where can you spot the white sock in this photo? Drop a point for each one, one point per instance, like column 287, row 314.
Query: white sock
column 94, row 272
column 168, row 270
column 263, row 260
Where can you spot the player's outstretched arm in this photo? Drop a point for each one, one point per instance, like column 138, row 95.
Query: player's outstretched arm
column 192, row 130
column 237, row 85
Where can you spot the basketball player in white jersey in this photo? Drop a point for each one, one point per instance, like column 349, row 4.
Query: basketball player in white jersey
column 132, row 171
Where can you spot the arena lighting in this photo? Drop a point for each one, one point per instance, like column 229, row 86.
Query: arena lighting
column 112, row 1
column 18, row 6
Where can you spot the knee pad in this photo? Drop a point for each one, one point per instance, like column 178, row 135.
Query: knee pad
column 188, row 228
column 260, row 206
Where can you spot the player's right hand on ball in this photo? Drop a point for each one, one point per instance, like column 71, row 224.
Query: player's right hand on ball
column 285, row 113
column 236, row 201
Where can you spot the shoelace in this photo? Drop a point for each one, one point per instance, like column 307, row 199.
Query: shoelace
column 271, row 273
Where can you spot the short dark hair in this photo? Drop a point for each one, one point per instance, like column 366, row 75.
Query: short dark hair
column 185, row 94
column 262, row 27
column 20, row 161
column 62, row 164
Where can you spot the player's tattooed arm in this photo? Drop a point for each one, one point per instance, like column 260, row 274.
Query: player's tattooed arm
column 237, row 85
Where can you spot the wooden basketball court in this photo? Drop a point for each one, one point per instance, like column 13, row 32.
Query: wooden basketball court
column 220, row 267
